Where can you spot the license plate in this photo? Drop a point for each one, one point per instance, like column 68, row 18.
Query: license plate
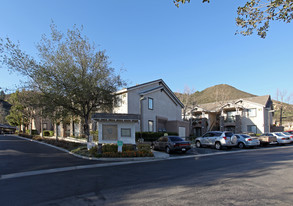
column 183, row 149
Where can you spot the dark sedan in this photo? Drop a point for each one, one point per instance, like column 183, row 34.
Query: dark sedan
column 171, row 144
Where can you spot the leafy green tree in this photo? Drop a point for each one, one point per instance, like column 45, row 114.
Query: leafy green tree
column 2, row 95
column 256, row 15
column 70, row 73
column 17, row 115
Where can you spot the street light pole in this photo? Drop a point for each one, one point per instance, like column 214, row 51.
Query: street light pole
column 141, row 112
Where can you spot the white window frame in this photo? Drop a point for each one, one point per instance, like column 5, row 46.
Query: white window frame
column 151, row 126
column 150, row 103
column 124, row 131
column 251, row 112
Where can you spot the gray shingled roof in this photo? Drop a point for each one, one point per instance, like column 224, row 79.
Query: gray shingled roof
column 216, row 105
column 110, row 116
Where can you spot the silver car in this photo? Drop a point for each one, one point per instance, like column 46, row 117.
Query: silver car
column 244, row 140
column 281, row 138
column 217, row 139
column 288, row 135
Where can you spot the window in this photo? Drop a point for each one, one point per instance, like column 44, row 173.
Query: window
column 151, row 126
column 252, row 129
column 251, row 112
column 151, row 103
column 125, row 132
column 109, row 132
column 45, row 126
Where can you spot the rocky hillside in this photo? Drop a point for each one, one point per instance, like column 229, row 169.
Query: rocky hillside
column 221, row 92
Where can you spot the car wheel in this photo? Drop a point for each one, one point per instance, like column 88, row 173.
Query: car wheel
column 168, row 150
column 241, row 145
column 218, row 146
column 197, row 144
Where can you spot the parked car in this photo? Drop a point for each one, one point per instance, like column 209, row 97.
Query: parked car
column 267, row 138
column 171, row 144
column 217, row 139
column 281, row 138
column 288, row 135
column 290, row 131
column 244, row 140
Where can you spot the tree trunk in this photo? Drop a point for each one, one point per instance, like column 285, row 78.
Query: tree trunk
column 41, row 134
column 86, row 127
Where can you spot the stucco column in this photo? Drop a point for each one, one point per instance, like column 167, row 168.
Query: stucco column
column 238, row 124
column 222, row 128
column 55, row 130
column 61, row 129
column 71, row 127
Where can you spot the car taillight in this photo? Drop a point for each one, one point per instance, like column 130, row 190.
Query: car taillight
column 225, row 138
column 283, row 138
column 249, row 139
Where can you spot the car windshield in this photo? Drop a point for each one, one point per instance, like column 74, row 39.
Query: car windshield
column 286, row 133
column 176, row 139
column 279, row 134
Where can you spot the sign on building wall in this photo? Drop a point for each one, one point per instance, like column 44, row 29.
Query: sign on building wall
column 110, row 132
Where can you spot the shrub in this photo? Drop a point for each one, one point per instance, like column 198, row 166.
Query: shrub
column 128, row 154
column 48, row 133
column 95, row 135
column 144, row 147
column 62, row 143
column 25, row 135
column 93, row 151
column 152, row 136
column 109, row 148
column 37, row 138
column 128, row 147
column 34, row 132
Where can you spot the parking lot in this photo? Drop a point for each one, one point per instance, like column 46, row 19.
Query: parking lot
column 209, row 150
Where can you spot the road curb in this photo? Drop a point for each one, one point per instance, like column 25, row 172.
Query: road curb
column 93, row 158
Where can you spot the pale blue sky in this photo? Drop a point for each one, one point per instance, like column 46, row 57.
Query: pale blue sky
column 191, row 46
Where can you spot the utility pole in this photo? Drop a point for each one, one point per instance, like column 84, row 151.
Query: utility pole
column 281, row 115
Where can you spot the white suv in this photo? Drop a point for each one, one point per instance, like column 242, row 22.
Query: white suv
column 217, row 139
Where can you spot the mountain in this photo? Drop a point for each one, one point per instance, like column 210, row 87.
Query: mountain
column 221, row 92
column 218, row 93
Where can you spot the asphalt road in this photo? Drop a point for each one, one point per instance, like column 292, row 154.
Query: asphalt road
column 252, row 177
column 18, row 155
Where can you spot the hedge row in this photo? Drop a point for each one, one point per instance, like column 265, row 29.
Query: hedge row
column 114, row 148
column 152, row 136
column 48, row 133
column 128, row 154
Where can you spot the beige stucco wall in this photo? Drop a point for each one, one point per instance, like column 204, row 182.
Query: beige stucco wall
column 126, row 140
column 260, row 120
column 123, row 108
column 163, row 106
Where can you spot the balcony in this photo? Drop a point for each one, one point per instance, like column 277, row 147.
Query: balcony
column 230, row 119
